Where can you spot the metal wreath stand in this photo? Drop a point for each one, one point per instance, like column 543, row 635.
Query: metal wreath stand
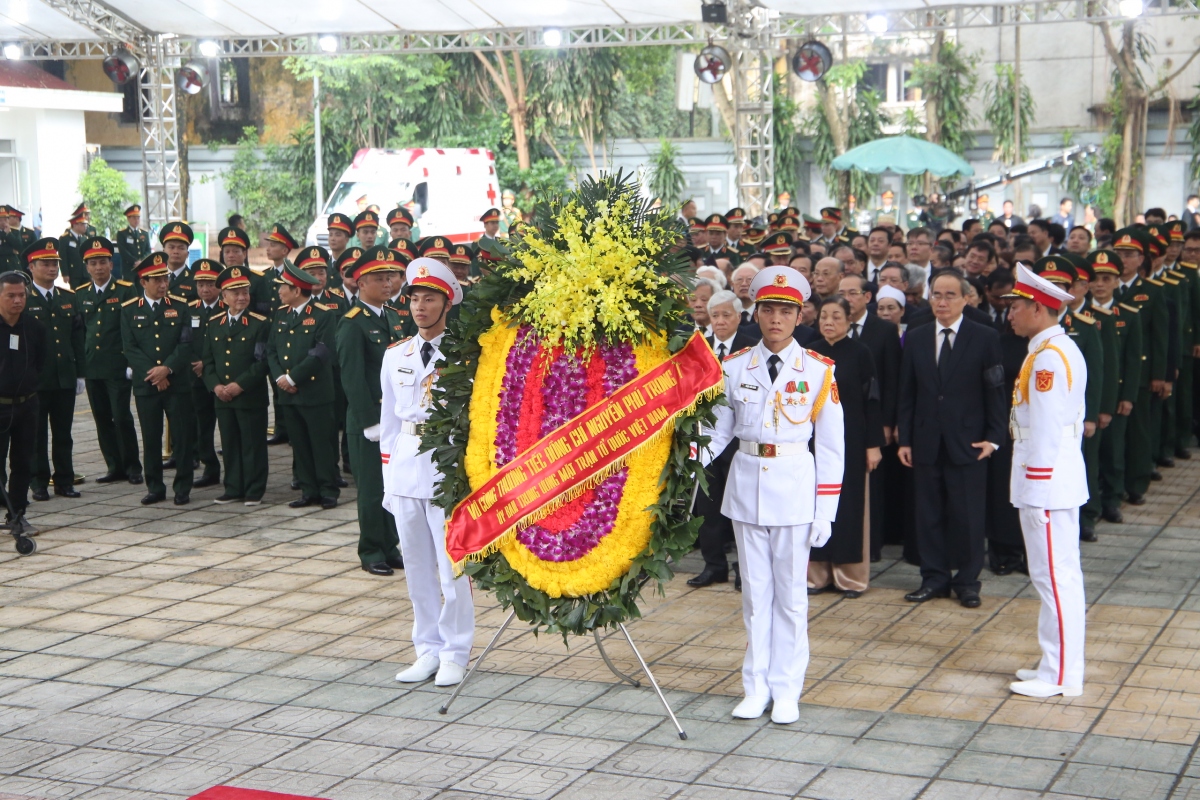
column 599, row 646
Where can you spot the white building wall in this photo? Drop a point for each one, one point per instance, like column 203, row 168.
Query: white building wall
column 50, row 154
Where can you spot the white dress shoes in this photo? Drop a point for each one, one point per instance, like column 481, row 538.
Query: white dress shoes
column 449, row 674
column 422, row 670
column 751, row 708
column 785, row 713
column 1027, row 674
column 1037, row 688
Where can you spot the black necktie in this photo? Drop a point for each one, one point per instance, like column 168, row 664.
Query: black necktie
column 721, row 351
column 426, row 353
column 944, row 356
column 854, row 330
column 773, row 367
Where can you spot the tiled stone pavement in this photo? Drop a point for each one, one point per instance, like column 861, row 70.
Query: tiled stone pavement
column 152, row 653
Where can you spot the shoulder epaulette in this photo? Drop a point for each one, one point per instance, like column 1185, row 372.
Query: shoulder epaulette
column 177, row 298
column 124, row 283
column 336, row 291
column 1170, row 280
column 1132, row 309
column 405, row 339
column 1153, row 282
column 823, row 359
column 1099, row 310
column 324, row 307
column 1189, row 266
column 80, row 287
column 1083, row 316
column 258, row 317
column 353, row 312
column 283, row 308
column 732, row 356
column 194, row 304
column 130, row 301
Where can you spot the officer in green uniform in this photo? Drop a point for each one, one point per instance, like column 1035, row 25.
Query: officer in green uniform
column 83, row 212
column 62, row 375
column 1162, row 433
column 735, row 236
column 156, row 332
column 405, row 253
column 1088, row 334
column 1133, row 290
column 315, row 261
column 133, row 243
column 340, row 231
column 345, row 265
column 400, row 223
column 70, row 245
column 366, row 229
column 26, row 235
column 105, row 368
column 280, row 244
column 300, row 353
column 235, row 252
column 10, row 243
column 206, row 307
column 234, row 352
column 1189, row 265
column 1121, row 336
column 363, row 336
column 1178, row 441
column 716, row 226
column 176, row 238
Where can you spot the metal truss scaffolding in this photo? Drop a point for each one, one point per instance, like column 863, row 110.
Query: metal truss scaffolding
column 753, row 54
column 158, row 124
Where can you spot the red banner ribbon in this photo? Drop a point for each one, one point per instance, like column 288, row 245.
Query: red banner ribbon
column 592, row 444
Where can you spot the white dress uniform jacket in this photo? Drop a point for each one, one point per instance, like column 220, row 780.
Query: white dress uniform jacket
column 407, row 394
column 788, row 489
column 1047, row 425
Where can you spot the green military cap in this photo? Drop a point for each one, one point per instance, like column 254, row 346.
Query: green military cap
column 735, row 215
column 1131, row 238
column 42, row 250
column 313, row 257
column 280, row 235
column 375, row 259
column 176, row 232
column 233, row 278
column 1102, row 261
column 233, row 236
column 1056, row 269
column 434, row 247
column 367, row 219
column 133, row 211
column 1083, row 269
column 1156, row 240
column 403, row 248
column 346, row 260
column 153, row 266
column 400, row 214
column 1175, row 229
column 98, row 247
column 778, row 243
column 716, row 222
column 205, row 269
column 290, row 276
column 340, row 222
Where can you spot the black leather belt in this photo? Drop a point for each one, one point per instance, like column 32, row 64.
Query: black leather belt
column 15, row 401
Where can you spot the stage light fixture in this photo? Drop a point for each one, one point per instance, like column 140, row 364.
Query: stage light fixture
column 877, row 24
column 1130, row 8
column 328, row 43
column 121, row 66
column 209, row 48
column 552, row 37
column 191, row 77
column 12, row 51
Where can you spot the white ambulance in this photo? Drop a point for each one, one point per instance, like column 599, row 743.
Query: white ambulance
column 447, row 190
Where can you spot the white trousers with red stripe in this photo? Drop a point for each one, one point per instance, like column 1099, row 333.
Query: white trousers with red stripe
column 1052, row 548
column 443, row 610
column 774, row 567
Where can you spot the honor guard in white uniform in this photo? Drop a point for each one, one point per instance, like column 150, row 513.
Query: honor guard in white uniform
column 781, row 498
column 443, row 612
column 1049, row 481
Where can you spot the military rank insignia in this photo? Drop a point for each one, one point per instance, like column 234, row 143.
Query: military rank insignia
column 1044, row 380
column 833, row 393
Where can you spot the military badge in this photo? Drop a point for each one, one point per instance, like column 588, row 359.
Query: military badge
column 833, row 393
column 1141, row 298
column 1044, row 380
column 791, row 387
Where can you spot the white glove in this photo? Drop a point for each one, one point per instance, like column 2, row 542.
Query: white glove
column 372, row 433
column 79, row 386
column 129, row 373
column 819, row 532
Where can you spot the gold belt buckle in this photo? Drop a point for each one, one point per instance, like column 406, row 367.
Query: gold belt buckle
column 766, row 450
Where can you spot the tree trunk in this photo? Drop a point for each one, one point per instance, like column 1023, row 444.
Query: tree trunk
column 514, row 100
column 724, row 108
column 839, row 132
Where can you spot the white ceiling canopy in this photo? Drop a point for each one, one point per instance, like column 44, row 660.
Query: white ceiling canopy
column 190, row 19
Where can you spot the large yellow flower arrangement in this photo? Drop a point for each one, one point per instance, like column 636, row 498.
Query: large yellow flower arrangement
column 596, row 570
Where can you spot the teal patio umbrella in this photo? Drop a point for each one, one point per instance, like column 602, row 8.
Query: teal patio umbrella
column 904, row 155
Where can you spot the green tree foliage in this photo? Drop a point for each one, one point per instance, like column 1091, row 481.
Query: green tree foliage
column 999, row 99
column 787, row 145
column 845, row 117
column 106, row 193
column 1193, row 137
column 666, row 180
column 576, row 93
column 273, row 187
column 948, row 81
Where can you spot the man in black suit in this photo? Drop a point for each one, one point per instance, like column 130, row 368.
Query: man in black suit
column 716, row 532
column 951, row 418
column 883, row 340
column 925, row 315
